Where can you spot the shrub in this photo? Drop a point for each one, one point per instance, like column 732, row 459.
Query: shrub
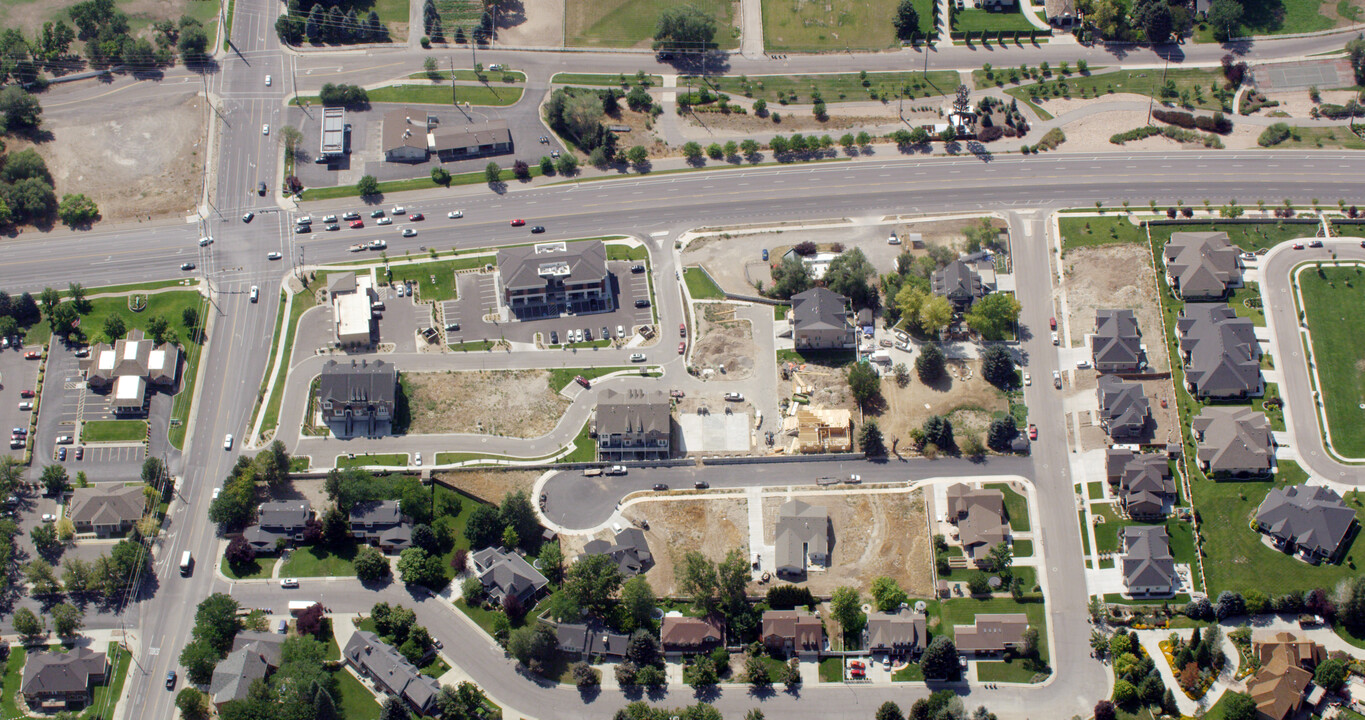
column 1182, row 119
column 990, row 134
column 1218, row 123
column 1274, row 135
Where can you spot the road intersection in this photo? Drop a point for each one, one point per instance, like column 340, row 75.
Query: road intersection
column 659, row 209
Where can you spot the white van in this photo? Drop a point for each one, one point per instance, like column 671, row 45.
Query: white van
column 186, row 563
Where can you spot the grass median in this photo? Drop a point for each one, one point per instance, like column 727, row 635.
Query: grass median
column 1334, row 311
column 114, row 431
column 301, row 302
column 841, row 87
column 422, row 183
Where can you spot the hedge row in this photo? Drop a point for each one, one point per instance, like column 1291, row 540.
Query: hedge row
column 1218, row 123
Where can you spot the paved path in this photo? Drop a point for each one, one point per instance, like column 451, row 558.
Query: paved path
column 751, row 28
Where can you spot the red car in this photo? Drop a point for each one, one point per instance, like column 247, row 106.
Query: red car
column 1032, row 431
column 582, row 381
column 682, row 347
column 417, row 216
column 1298, row 246
column 1053, row 322
column 25, row 393
column 518, row 222
column 682, row 329
column 857, row 665
column 856, row 674
column 355, row 224
column 32, row 355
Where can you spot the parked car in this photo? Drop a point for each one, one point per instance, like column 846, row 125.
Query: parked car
column 1053, row 322
column 417, row 460
column 765, row 254
column 637, row 268
column 80, row 452
column 1028, row 379
column 642, row 303
column 616, row 470
column 660, row 487
column 893, row 240
column 682, row 347
column 582, row 381
column 682, row 329
column 246, row 216
column 620, row 332
column 61, row 454
column 734, row 397
column 267, row 81
column 25, row 393
column 216, row 492
column 64, row 440
column 701, row 484
column 32, row 355
column 1032, row 431
column 554, row 337
column 1298, row 246
column 1056, row 340
column 26, row 405
column 1056, row 379
column 1314, row 243
column 289, row 582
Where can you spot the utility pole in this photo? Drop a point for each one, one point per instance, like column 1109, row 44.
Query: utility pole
column 1152, row 100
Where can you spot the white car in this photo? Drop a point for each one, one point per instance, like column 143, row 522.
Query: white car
column 26, row 405
column 455, row 214
column 216, row 492
column 265, row 129
column 274, row 256
column 206, row 241
column 378, row 244
column 289, row 582
column 734, row 397
column 417, row 460
column 227, row 442
column 1028, row 379
column 267, row 81
column 398, row 210
column 255, row 293
column 384, row 221
column 409, row 232
column 893, row 240
column 49, row 517
column 64, row 440
column 637, row 357
column 620, row 332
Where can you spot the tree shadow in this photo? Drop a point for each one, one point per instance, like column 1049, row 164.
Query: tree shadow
column 511, row 13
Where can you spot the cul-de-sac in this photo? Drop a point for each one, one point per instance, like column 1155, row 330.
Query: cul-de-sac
column 682, row 360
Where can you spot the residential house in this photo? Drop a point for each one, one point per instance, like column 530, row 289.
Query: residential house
column 991, row 634
column 816, row 429
column 552, row 279
column 822, row 320
column 381, row 523
column 63, row 680
column 960, row 283
column 1124, row 410
column 1309, row 520
column 403, row 135
column 629, row 550
column 590, row 640
column 391, row 672
column 1116, row 345
column 1148, row 568
column 1233, row 441
column 902, row 635
column 1060, row 12
column 276, row 521
column 688, row 635
column 1287, row 661
column 802, row 537
column 507, row 574
column 1219, row 350
column 1144, row 482
column 633, row 425
column 979, row 514
column 125, row 370
column 359, row 397
column 254, row 656
column 795, row 633
column 105, row 510
column 1202, row 265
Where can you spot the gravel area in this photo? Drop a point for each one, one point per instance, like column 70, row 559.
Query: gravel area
column 515, row 403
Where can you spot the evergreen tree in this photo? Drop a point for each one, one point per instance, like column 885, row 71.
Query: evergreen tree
column 313, row 28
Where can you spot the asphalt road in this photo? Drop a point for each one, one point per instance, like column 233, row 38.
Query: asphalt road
column 1282, row 320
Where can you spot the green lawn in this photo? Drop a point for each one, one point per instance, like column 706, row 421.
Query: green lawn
column 1333, row 299
column 1140, row 82
column 14, row 675
column 700, row 285
column 434, row 94
column 1320, row 138
column 105, row 696
column 1016, row 507
column 631, row 23
column 977, row 21
column 1011, row 670
column 131, row 287
column 302, row 302
column 1095, row 490
column 1274, row 414
column 1278, row 17
column 114, row 431
column 962, row 611
column 849, row 87
column 1078, row 232
column 1085, row 531
column 1249, row 236
column 1023, row 548
column 421, row 274
column 261, row 567
column 418, row 183
column 602, row 80
column 436, row 668
column 912, row 672
column 481, row 617
column 320, row 561
column 355, row 701
column 638, row 253
column 1239, row 302
column 171, row 306
column 560, row 377
column 1107, row 535
column 1237, row 559
column 841, row 25
column 386, row 459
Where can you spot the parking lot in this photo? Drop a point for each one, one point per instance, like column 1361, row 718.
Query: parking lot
column 16, row 376
column 366, row 156
column 401, row 320
column 478, row 296
column 66, row 402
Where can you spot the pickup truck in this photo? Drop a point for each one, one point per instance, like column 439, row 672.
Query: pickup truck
column 359, row 247
column 616, row 470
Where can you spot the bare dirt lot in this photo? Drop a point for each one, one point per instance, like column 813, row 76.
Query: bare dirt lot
column 1162, row 429
column 713, row 527
column 540, row 23
column 725, row 341
column 490, row 485
column 515, row 403
column 874, row 534
column 969, row 402
column 144, row 162
column 1119, row 277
